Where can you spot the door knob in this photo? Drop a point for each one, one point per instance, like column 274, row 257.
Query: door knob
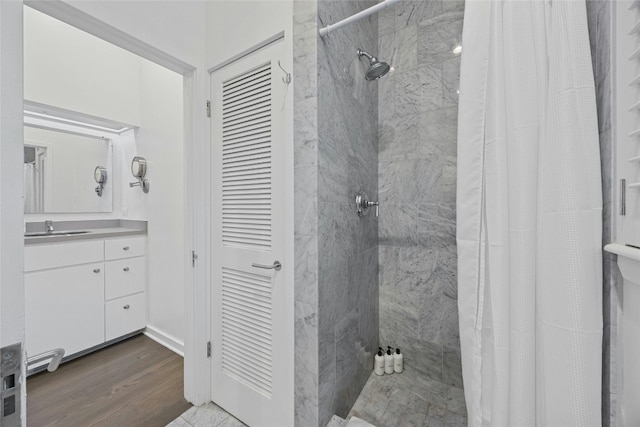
column 275, row 266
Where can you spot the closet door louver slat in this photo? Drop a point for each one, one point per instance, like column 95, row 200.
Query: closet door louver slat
column 246, row 333
column 246, row 160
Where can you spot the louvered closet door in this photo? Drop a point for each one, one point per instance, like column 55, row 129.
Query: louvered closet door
column 250, row 360
column 628, row 120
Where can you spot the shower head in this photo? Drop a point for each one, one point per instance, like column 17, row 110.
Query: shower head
column 376, row 68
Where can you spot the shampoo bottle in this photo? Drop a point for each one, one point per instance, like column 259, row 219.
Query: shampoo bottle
column 388, row 362
column 378, row 364
column 398, row 362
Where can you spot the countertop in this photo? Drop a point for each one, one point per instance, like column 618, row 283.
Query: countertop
column 93, row 229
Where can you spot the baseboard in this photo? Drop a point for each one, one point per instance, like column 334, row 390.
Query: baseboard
column 165, row 340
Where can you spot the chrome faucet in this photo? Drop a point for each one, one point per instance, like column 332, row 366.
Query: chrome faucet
column 48, row 226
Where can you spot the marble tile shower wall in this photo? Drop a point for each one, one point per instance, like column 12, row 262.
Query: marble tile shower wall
column 417, row 113
column 305, row 98
column 347, row 111
column 599, row 20
column 335, row 149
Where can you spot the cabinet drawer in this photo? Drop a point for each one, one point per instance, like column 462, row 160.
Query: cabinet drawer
column 41, row 257
column 124, row 277
column 124, row 248
column 124, row 315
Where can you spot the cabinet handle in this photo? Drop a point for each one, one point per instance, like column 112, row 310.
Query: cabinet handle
column 126, row 307
column 126, row 248
column 125, row 269
column 96, row 270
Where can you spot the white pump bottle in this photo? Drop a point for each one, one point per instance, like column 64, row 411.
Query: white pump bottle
column 388, row 362
column 398, row 361
column 378, row 364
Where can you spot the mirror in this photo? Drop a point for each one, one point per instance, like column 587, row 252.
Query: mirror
column 100, row 175
column 139, row 167
column 139, row 170
column 61, row 170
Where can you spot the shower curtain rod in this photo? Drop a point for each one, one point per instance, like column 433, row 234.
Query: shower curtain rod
column 362, row 14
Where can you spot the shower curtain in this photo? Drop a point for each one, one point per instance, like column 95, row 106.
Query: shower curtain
column 529, row 220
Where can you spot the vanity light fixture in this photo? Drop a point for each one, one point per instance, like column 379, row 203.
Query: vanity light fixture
column 139, row 170
column 100, row 175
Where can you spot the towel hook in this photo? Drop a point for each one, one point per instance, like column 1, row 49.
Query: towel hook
column 287, row 78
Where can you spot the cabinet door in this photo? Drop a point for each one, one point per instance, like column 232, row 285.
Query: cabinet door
column 64, row 308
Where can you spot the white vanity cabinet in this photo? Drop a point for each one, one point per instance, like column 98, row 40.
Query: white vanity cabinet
column 81, row 294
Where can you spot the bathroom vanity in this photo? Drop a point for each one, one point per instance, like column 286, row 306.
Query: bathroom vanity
column 85, row 284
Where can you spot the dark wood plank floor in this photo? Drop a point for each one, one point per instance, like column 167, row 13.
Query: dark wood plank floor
column 133, row 383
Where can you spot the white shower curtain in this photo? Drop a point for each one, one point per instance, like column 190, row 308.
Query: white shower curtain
column 529, row 216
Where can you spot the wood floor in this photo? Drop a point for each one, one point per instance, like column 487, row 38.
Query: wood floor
column 134, row 383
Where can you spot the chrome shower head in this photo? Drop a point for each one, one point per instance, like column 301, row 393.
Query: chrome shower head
column 376, row 68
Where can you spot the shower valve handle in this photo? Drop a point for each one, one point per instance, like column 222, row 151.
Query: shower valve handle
column 376, row 204
column 363, row 204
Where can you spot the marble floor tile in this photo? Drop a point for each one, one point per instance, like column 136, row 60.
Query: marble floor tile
column 336, row 421
column 409, row 400
column 440, row 417
column 179, row 422
column 210, row 415
column 452, row 367
column 415, row 413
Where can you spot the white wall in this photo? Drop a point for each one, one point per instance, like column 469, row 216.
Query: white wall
column 75, row 71
column 174, row 27
column 234, row 26
column 160, row 140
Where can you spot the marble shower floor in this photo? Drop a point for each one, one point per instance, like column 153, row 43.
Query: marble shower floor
column 410, row 400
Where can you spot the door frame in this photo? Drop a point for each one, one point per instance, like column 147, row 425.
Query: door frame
column 196, row 279
column 288, row 262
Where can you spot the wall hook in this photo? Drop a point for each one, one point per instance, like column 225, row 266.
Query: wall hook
column 287, row 78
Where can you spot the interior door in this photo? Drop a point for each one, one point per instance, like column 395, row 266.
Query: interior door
column 627, row 126
column 251, row 360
